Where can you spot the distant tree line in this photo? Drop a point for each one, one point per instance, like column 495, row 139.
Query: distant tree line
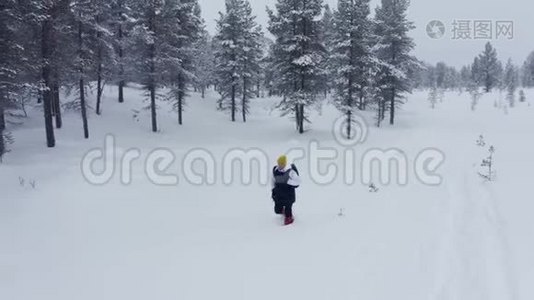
column 486, row 72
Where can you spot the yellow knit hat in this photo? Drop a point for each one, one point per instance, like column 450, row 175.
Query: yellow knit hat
column 282, row 161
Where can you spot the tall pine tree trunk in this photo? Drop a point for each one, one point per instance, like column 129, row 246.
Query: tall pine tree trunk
column 295, row 81
column 383, row 105
column 350, row 100
column 393, row 84
column 392, row 107
column 233, row 104
column 81, row 82
column 380, row 111
column 57, row 102
column 47, row 98
column 303, row 74
column 244, row 101
column 84, row 108
column 121, row 91
column 297, row 113
column 54, row 109
column 349, row 124
column 2, row 118
column 152, row 85
column 181, row 86
column 301, row 124
column 99, row 87
column 297, row 116
column 99, row 90
column 2, row 128
column 300, row 107
column 121, row 52
column 180, row 108
column 153, row 112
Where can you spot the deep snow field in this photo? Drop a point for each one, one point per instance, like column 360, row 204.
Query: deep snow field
column 466, row 239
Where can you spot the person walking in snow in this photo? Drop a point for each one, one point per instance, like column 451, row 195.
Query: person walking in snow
column 285, row 181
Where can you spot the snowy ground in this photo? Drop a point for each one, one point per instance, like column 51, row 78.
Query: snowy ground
column 465, row 239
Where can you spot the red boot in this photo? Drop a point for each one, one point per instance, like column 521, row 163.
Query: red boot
column 289, row 221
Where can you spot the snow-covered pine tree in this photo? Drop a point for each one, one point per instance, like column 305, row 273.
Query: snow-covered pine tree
column 162, row 42
column 61, row 64
column 40, row 19
column 433, row 96
column 84, row 21
column 527, row 71
column 269, row 71
column 250, row 62
column 424, row 77
column 104, row 47
column 237, row 56
column 488, row 172
column 228, row 42
column 511, row 82
column 88, row 53
column 522, row 96
column 10, row 62
column 489, row 69
column 145, row 48
column 122, row 24
column 298, row 55
column 204, row 63
column 180, row 33
column 61, row 43
column 352, row 61
column 474, row 91
column 327, row 29
column 476, row 72
column 393, row 49
column 44, row 15
column 446, row 77
column 327, row 37
column 465, row 76
column 261, row 80
column 452, row 79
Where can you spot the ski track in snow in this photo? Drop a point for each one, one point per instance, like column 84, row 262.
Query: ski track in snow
column 475, row 260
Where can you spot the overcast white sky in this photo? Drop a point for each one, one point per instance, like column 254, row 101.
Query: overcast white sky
column 453, row 52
